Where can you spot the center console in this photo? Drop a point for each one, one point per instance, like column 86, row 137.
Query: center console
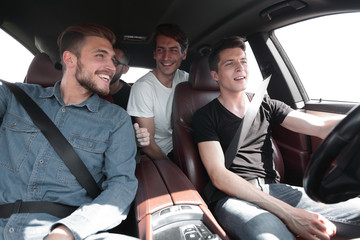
column 168, row 206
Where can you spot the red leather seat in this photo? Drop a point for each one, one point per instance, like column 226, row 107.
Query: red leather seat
column 190, row 96
column 42, row 71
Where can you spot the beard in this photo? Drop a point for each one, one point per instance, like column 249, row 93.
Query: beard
column 86, row 80
column 116, row 77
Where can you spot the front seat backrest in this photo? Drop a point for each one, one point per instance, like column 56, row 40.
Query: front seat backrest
column 189, row 97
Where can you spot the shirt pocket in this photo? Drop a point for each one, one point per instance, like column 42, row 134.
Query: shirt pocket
column 17, row 136
column 91, row 152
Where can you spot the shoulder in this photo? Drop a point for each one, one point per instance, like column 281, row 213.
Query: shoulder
column 181, row 76
column 146, row 81
column 148, row 77
column 35, row 90
column 112, row 111
column 206, row 111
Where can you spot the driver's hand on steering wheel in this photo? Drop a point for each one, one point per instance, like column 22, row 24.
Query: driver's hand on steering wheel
column 310, row 225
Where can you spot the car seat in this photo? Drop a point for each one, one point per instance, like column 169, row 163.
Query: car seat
column 190, row 96
column 42, row 71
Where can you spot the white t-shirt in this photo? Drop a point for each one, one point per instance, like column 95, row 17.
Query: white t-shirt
column 149, row 98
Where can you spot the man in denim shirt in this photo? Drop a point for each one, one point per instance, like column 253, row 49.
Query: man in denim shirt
column 101, row 134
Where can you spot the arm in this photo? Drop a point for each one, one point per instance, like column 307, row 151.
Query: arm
column 298, row 221
column 152, row 150
column 60, row 233
column 113, row 204
column 309, row 124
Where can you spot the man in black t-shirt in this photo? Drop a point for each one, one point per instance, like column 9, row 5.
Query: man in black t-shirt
column 119, row 89
column 252, row 204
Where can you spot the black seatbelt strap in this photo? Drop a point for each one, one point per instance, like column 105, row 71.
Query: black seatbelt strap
column 61, row 146
column 239, row 136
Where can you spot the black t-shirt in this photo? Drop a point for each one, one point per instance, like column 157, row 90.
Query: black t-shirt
column 121, row 98
column 214, row 122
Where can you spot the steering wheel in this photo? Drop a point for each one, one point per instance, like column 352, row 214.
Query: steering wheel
column 330, row 181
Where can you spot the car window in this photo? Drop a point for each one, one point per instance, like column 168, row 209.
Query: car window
column 255, row 75
column 14, row 59
column 134, row 74
column 325, row 53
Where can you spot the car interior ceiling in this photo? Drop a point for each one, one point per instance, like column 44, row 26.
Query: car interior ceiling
column 157, row 205
column 245, row 17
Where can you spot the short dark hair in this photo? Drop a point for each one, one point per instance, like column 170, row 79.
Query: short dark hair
column 225, row 43
column 124, row 49
column 72, row 37
column 173, row 31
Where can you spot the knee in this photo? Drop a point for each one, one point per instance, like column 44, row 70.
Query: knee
column 266, row 226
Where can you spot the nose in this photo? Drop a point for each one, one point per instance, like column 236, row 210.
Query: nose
column 166, row 54
column 110, row 65
column 240, row 66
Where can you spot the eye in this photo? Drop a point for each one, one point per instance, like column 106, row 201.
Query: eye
column 116, row 62
column 99, row 55
column 159, row 50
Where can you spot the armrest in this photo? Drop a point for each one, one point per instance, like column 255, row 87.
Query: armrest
column 180, row 188
column 183, row 191
column 164, row 188
column 152, row 194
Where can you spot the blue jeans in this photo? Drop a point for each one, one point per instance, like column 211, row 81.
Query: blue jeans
column 244, row 220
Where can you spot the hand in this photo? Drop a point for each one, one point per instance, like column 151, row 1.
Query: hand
column 142, row 136
column 310, row 226
column 60, row 233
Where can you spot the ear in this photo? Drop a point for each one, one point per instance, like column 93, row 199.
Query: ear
column 125, row 69
column 69, row 59
column 184, row 54
column 214, row 75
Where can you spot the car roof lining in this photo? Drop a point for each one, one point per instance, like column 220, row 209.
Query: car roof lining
column 33, row 22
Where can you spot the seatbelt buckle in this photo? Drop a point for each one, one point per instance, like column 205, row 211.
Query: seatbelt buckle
column 17, row 206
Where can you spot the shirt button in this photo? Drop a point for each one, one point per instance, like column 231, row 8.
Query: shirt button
column 34, row 188
column 41, row 161
column 11, row 230
column 63, row 110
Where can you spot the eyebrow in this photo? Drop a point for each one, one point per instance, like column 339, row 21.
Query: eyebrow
column 232, row 59
column 173, row 47
column 101, row 51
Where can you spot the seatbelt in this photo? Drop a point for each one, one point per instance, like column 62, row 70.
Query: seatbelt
column 240, row 134
column 61, row 146
column 246, row 123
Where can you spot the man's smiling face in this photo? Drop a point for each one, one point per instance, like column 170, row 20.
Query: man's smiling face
column 168, row 55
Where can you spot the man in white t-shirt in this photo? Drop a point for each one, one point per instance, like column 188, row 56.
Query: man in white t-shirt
column 151, row 96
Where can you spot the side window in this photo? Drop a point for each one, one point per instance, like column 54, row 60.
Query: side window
column 134, row 74
column 14, row 59
column 255, row 76
column 325, row 53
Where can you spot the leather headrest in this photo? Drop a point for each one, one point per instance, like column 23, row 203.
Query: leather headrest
column 42, row 71
column 200, row 77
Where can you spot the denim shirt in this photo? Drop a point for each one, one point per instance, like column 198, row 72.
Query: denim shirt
column 102, row 135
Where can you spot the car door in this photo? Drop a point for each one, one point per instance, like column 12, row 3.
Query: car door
column 314, row 69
